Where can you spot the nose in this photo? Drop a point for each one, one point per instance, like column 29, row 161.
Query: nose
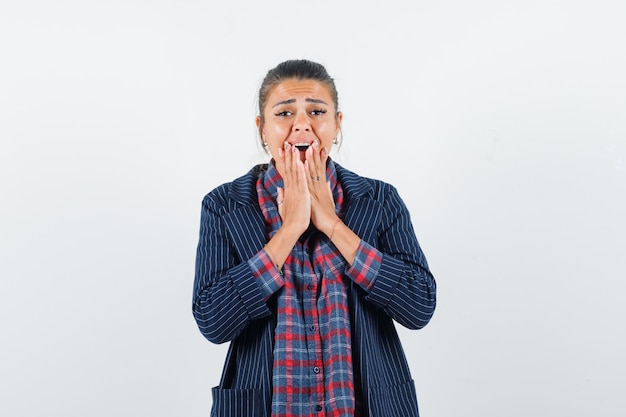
column 301, row 123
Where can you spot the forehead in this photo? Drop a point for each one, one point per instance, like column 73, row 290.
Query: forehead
column 299, row 89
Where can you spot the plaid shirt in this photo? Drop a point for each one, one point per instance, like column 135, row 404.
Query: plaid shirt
column 312, row 371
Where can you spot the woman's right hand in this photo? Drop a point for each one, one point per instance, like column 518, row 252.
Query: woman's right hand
column 294, row 201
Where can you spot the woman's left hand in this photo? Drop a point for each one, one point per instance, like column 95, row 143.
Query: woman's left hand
column 323, row 213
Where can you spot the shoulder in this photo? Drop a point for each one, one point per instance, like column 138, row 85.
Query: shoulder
column 357, row 186
column 240, row 191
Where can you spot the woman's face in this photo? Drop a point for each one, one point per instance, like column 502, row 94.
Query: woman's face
column 299, row 112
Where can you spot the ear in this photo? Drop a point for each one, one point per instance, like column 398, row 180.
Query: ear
column 338, row 120
column 257, row 121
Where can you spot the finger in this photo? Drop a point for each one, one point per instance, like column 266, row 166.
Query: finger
column 309, row 175
column 280, row 161
column 316, row 157
column 303, row 179
column 295, row 162
column 309, row 165
column 318, row 169
column 320, row 157
column 287, row 177
column 324, row 159
column 301, row 172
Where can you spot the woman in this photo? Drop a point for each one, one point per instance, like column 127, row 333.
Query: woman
column 302, row 265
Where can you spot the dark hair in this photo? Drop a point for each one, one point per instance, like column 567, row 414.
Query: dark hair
column 299, row 69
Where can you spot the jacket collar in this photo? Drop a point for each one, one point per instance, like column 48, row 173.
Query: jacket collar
column 243, row 189
column 354, row 186
column 246, row 219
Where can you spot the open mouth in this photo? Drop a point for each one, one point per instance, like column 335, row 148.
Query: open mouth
column 302, row 146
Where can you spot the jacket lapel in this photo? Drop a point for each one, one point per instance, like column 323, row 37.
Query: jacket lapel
column 363, row 210
column 245, row 221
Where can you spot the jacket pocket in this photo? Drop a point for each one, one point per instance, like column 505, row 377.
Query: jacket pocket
column 237, row 403
column 393, row 401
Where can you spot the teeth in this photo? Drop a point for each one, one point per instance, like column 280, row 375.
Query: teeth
column 302, row 146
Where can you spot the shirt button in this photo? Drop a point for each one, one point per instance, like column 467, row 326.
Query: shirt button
column 311, row 327
column 316, row 370
column 318, row 408
column 310, row 286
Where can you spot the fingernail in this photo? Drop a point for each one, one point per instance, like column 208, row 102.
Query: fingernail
column 294, row 149
column 286, row 145
column 316, row 144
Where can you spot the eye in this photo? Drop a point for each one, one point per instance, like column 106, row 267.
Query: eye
column 318, row 112
column 283, row 113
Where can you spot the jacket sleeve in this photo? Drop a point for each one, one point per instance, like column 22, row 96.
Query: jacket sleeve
column 226, row 297
column 401, row 284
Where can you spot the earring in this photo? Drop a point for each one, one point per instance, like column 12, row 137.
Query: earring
column 335, row 141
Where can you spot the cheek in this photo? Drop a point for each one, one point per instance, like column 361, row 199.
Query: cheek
column 328, row 130
column 275, row 134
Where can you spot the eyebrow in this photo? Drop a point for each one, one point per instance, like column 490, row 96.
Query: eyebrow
column 293, row 100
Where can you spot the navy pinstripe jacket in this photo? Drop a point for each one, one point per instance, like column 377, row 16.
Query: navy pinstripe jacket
column 228, row 305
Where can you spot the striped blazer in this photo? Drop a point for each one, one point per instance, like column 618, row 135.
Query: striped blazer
column 228, row 305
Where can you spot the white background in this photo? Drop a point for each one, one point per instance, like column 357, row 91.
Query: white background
column 501, row 123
